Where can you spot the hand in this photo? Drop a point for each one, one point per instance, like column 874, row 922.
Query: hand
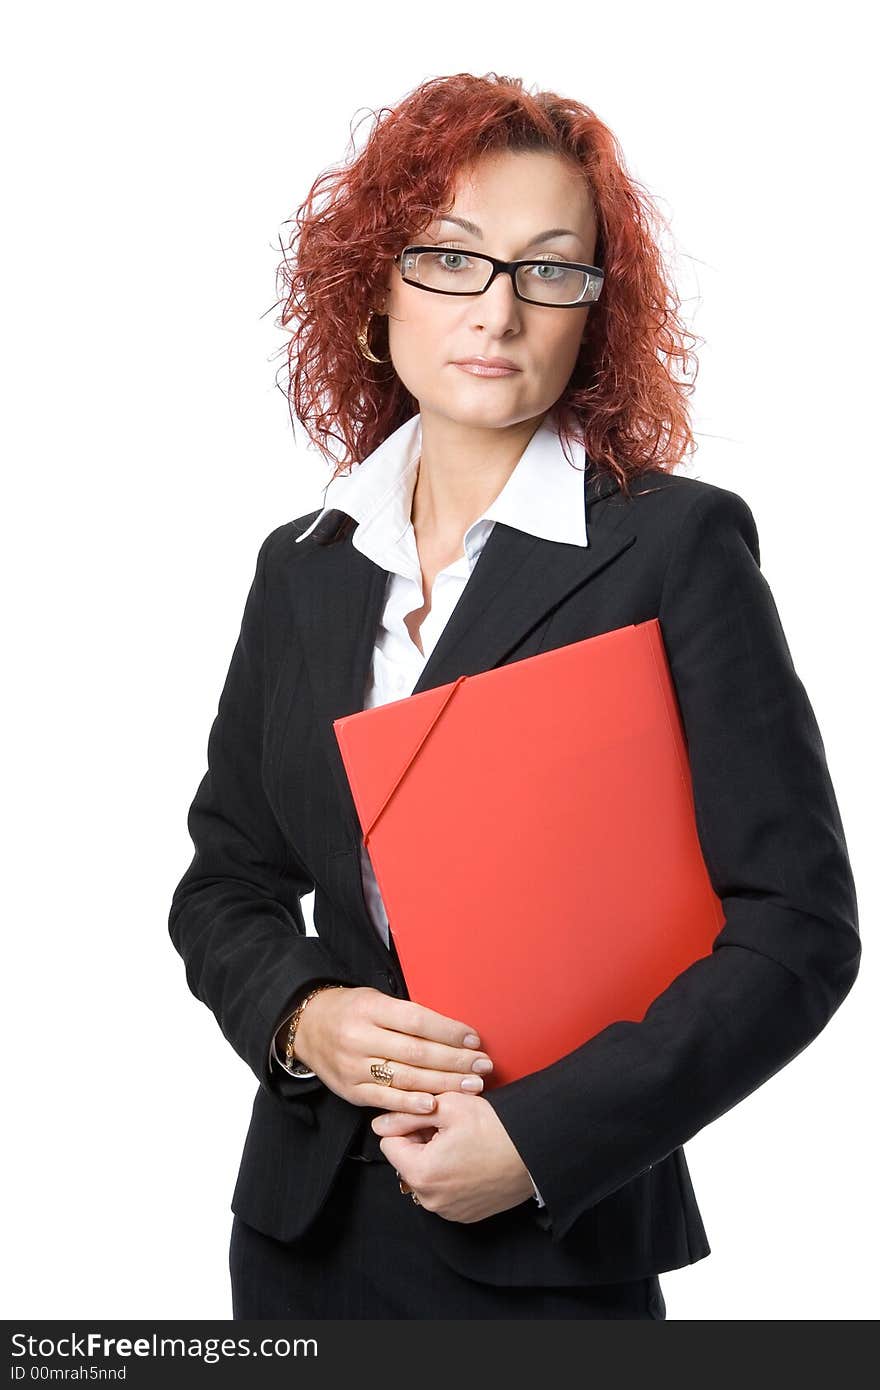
column 342, row 1031
column 460, row 1162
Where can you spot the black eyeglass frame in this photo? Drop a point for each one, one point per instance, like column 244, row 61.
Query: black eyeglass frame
column 502, row 268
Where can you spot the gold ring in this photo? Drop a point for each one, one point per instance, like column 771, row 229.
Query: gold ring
column 382, row 1072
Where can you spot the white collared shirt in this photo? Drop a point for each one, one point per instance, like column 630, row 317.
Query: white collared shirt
column 544, row 496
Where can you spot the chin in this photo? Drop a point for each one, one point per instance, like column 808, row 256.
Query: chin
column 484, row 414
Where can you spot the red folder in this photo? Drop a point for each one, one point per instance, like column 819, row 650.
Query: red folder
column 533, row 836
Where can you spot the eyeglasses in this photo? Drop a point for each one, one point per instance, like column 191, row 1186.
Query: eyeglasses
column 443, row 270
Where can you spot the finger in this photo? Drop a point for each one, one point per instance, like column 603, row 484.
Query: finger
column 417, row 1051
column 409, row 1076
column 396, row 1123
column 406, row 1016
column 390, row 1098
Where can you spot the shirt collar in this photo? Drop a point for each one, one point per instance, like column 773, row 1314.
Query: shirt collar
column 544, row 495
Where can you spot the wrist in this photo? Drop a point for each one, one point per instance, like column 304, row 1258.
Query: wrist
column 292, row 1038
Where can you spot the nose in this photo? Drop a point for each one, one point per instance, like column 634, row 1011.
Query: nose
column 497, row 309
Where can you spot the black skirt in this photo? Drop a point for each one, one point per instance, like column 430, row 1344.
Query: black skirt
column 366, row 1256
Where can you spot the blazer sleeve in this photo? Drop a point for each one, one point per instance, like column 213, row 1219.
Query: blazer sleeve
column 774, row 847
column 236, row 916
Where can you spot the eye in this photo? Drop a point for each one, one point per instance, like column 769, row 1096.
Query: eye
column 450, row 261
column 536, row 271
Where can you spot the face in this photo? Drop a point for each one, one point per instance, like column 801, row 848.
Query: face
column 512, row 199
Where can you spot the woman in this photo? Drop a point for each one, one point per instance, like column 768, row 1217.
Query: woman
column 482, row 320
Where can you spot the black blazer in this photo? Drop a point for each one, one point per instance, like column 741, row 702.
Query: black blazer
column 601, row 1129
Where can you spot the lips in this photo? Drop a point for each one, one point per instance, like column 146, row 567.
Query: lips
column 487, row 366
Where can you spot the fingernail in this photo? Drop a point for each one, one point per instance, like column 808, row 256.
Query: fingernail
column 472, row 1040
column 472, row 1083
column 426, row 1103
column 483, row 1064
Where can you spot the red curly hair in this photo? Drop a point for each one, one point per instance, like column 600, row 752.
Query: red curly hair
column 625, row 400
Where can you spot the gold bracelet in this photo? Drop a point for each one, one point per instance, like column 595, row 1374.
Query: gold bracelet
column 290, row 1058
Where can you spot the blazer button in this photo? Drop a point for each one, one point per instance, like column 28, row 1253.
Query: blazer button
column 392, row 982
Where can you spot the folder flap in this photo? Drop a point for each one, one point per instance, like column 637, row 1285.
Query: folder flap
column 383, row 749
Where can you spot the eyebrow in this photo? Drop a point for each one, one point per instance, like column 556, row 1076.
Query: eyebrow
column 535, row 241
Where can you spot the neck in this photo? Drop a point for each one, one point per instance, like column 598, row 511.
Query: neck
column 462, row 469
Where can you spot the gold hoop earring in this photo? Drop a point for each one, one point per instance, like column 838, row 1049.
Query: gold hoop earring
column 364, row 342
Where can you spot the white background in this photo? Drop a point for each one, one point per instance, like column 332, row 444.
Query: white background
column 153, row 155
